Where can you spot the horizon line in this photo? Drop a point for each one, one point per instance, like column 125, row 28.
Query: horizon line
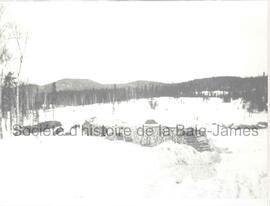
column 143, row 80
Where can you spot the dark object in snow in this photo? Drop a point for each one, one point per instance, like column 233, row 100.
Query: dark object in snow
column 245, row 126
column 48, row 125
column 128, row 139
column 150, row 121
column 41, row 127
column 227, row 99
column 201, row 144
column 259, row 125
column 262, row 125
column 198, row 141
column 58, row 131
column 119, row 135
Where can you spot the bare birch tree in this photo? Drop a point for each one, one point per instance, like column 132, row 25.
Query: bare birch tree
column 10, row 32
column 4, row 58
column 21, row 41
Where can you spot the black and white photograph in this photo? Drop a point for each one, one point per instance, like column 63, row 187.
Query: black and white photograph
column 133, row 103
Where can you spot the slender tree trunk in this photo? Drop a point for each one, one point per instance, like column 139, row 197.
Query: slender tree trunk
column 1, row 103
column 18, row 84
column 18, row 94
column 1, row 129
column 10, row 120
column 17, row 105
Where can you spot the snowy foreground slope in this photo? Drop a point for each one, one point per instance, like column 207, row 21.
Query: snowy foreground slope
column 86, row 170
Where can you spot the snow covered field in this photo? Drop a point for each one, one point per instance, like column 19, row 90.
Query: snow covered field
column 169, row 111
column 82, row 170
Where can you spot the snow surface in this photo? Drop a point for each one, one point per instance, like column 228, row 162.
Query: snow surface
column 169, row 111
column 81, row 170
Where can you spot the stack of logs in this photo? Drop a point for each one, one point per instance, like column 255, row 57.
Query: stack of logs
column 197, row 140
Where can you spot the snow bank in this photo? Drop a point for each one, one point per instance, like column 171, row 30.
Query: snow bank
column 184, row 161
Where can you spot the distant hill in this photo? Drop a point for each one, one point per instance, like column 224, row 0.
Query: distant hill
column 72, row 84
column 228, row 83
column 87, row 84
column 141, row 84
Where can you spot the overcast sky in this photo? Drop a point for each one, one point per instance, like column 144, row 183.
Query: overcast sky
column 116, row 42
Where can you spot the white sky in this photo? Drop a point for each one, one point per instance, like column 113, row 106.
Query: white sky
column 115, row 42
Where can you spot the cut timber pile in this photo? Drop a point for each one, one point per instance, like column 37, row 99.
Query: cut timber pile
column 199, row 143
column 139, row 135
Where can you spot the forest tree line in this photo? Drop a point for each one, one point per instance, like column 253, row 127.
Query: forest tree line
column 251, row 90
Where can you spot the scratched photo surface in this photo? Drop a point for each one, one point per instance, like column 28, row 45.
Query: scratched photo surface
column 133, row 103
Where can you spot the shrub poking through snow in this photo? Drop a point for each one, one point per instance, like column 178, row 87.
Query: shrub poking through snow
column 153, row 104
